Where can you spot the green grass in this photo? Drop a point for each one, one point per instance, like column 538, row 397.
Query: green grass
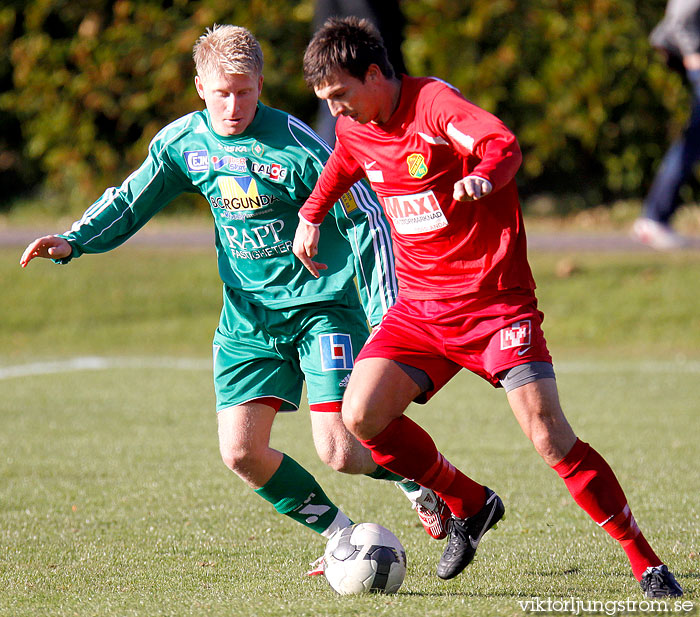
column 114, row 502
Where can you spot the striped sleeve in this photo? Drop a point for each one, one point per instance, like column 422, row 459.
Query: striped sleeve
column 121, row 211
column 360, row 219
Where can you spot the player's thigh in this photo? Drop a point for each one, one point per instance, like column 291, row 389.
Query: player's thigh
column 380, row 383
column 252, row 367
column 379, row 392
column 329, row 339
column 407, row 338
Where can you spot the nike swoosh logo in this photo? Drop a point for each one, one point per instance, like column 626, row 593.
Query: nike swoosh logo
column 370, row 165
column 475, row 542
column 522, row 351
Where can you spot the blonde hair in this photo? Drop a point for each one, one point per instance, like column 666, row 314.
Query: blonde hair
column 227, row 50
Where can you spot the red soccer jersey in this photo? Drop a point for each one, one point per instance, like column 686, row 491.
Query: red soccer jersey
column 444, row 248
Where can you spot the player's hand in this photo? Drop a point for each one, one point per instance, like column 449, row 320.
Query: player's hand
column 471, row 188
column 48, row 247
column 306, row 246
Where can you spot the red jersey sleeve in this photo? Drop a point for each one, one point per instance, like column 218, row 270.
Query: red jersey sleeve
column 478, row 135
column 339, row 174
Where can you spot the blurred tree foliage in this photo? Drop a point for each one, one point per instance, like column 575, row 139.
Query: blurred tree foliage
column 591, row 103
column 85, row 84
column 94, row 80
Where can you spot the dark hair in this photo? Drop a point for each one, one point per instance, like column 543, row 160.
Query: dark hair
column 348, row 44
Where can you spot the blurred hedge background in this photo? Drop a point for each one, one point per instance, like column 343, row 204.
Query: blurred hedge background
column 85, row 85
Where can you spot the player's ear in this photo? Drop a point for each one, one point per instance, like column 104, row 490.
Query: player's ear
column 373, row 72
column 199, row 86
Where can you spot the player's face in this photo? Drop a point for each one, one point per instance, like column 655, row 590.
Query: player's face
column 348, row 96
column 231, row 100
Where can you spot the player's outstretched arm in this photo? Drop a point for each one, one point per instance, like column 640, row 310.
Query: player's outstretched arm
column 306, row 246
column 471, row 188
column 48, row 247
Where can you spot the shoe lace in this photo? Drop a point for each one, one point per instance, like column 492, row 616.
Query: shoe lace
column 655, row 580
column 456, row 536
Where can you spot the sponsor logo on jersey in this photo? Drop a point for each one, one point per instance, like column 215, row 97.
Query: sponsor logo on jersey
column 336, row 352
column 373, row 175
column 259, row 242
column 416, row 165
column 516, row 335
column 236, row 148
column 240, row 193
column 415, row 214
column 196, row 160
column 274, row 171
column 232, row 163
column 348, row 201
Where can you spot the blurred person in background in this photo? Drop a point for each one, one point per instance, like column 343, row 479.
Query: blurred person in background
column 677, row 36
column 387, row 17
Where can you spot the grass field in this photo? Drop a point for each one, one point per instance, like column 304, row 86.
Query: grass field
column 113, row 500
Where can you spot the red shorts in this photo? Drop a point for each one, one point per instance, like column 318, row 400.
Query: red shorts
column 486, row 334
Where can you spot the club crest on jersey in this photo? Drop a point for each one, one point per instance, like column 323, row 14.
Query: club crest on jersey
column 416, row 165
column 516, row 335
column 336, row 352
column 196, row 160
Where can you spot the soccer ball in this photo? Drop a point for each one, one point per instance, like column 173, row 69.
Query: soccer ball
column 362, row 558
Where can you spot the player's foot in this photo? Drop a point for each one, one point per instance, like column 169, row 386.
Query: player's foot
column 465, row 534
column 659, row 583
column 432, row 511
column 316, row 567
column 657, row 235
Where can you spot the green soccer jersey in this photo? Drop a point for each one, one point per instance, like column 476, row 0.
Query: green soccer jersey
column 255, row 184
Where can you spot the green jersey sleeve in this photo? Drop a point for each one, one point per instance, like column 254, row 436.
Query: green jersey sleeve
column 121, row 211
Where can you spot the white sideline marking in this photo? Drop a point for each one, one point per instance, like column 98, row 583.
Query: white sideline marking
column 97, row 363
column 103, row 363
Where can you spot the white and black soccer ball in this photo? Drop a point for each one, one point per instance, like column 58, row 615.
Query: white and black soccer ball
column 363, row 558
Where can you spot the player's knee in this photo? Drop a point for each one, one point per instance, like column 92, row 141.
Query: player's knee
column 360, row 421
column 543, row 444
column 236, row 457
column 353, row 412
column 338, row 460
column 552, row 442
column 348, row 457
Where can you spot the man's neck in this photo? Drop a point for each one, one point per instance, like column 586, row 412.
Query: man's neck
column 392, row 96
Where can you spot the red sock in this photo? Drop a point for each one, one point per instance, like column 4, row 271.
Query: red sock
column 406, row 449
column 595, row 488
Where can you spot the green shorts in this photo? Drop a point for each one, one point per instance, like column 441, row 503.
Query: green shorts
column 260, row 352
